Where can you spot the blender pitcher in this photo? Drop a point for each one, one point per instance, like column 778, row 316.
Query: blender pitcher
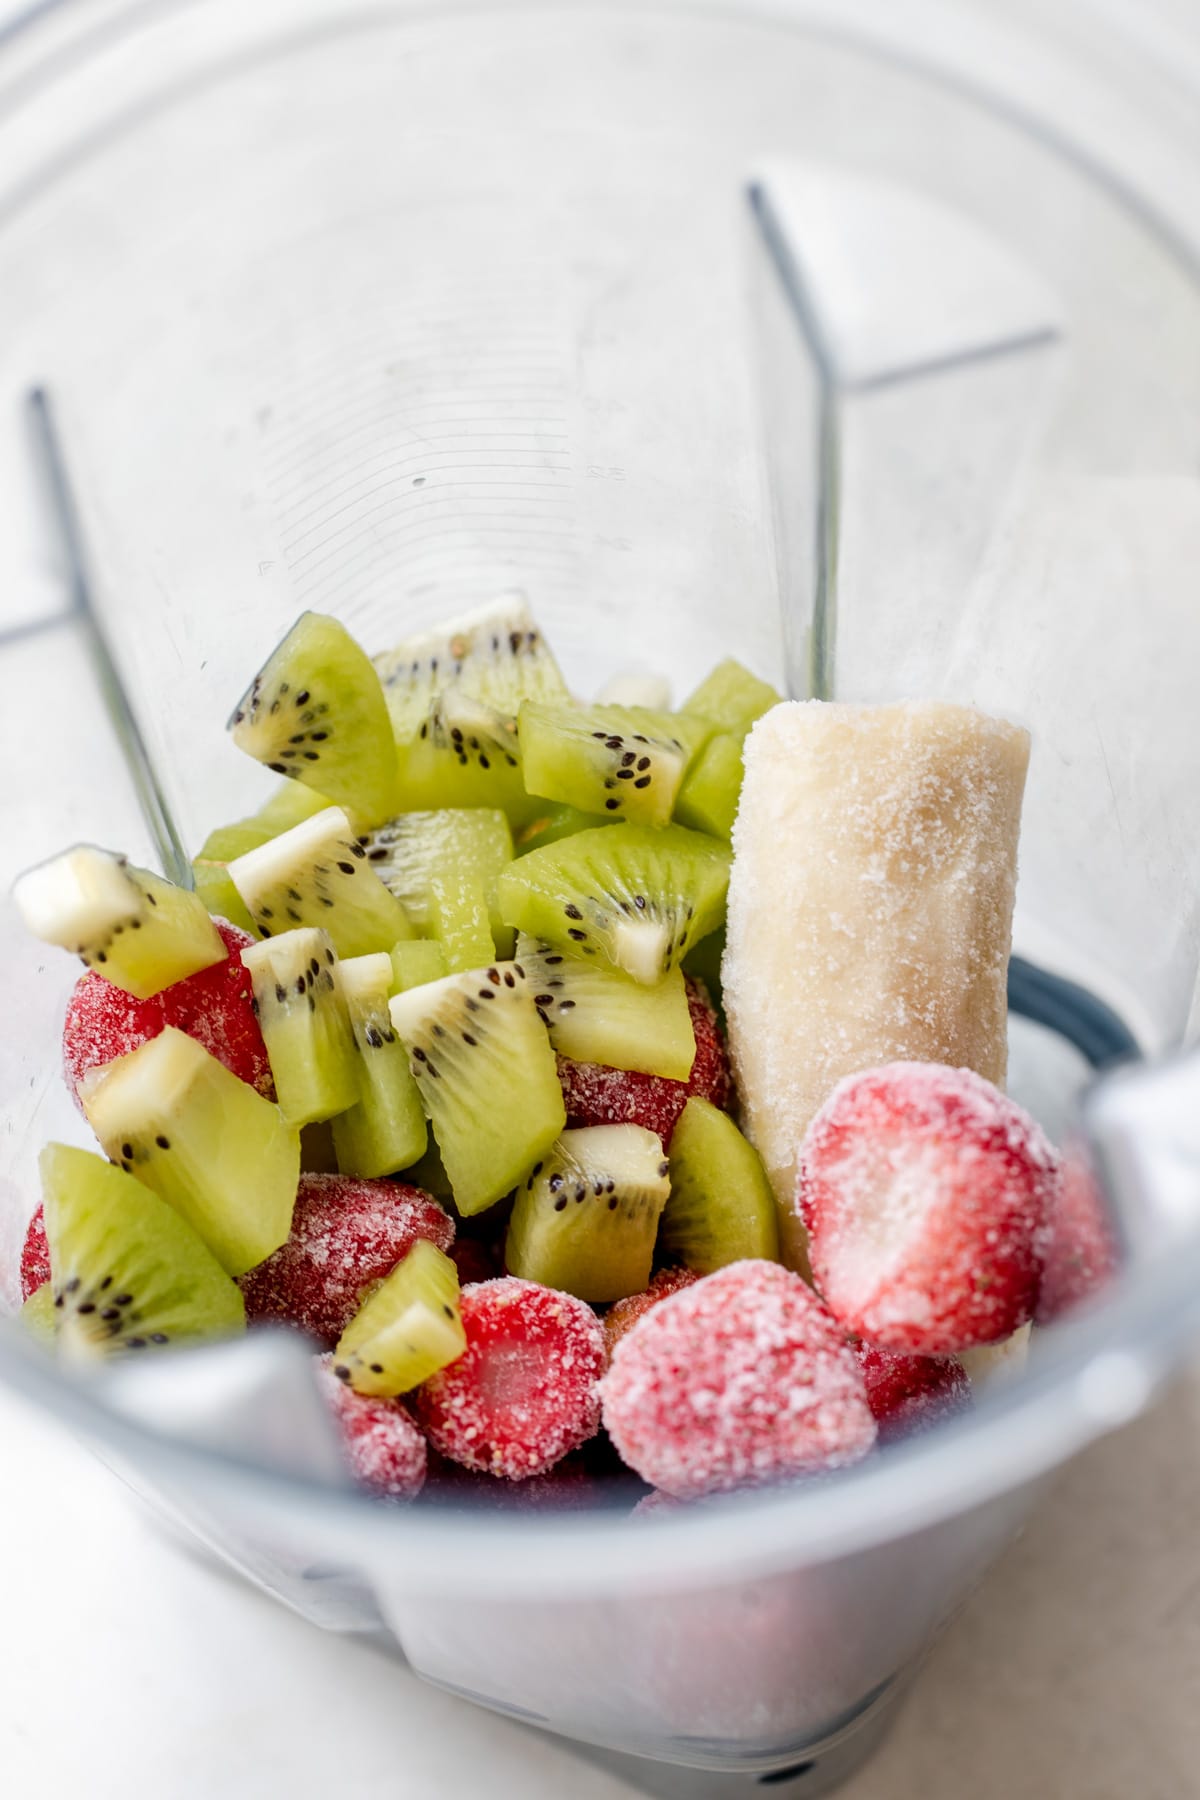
column 714, row 331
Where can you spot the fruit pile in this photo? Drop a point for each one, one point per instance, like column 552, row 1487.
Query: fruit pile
column 430, row 1065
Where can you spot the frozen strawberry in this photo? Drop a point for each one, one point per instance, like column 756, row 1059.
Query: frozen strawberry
column 596, row 1095
column 216, row 1007
column 524, row 1392
column 1078, row 1244
column 740, row 1379
column 923, row 1190
column 35, row 1255
column 625, row 1314
column 385, row 1450
column 908, row 1394
column 346, row 1236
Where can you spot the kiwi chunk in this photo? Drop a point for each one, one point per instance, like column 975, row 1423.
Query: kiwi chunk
column 731, row 698
column 708, row 799
column 140, row 932
column 317, row 874
column 464, row 754
column 205, row 1142
column 596, row 1014
column 495, row 654
column 602, row 759
column 304, row 1024
column 289, row 805
column 38, row 1315
column 460, row 920
column 488, row 1078
column 442, row 867
column 585, row 1220
column 408, row 1329
column 636, row 897
column 127, row 1272
column 384, row 1130
column 721, row 1207
column 415, row 962
column 316, row 712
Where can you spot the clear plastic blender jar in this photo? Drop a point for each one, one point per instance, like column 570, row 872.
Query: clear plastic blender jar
column 711, row 330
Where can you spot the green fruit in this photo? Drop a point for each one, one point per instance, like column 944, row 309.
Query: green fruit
column 465, row 754
column 316, row 712
column 488, row 1078
column 384, row 1130
column 39, row 1317
column 495, row 654
column 219, row 896
column 442, row 867
column 304, row 1024
column 416, row 962
column 317, row 874
column 731, row 698
column 602, row 759
column 289, row 805
column 585, row 1219
column 554, row 823
column 140, row 932
column 408, row 1329
column 637, row 897
column 708, row 799
column 204, row 1141
column 596, row 1014
column 721, row 1208
column 127, row 1272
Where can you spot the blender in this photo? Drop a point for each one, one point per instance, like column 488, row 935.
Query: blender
column 712, row 330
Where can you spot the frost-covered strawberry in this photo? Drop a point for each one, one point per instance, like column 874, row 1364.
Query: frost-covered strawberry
column 385, row 1450
column 346, row 1235
column 923, row 1190
column 1078, row 1245
column 908, row 1394
column 216, row 1007
column 525, row 1391
column 625, row 1314
column 595, row 1095
column 35, row 1255
column 741, row 1379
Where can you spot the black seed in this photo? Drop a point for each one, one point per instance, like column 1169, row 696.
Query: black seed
column 420, row 1055
column 266, row 912
column 486, row 994
column 509, row 979
column 543, row 999
column 163, row 1142
column 346, row 868
column 600, row 734
column 357, row 850
column 493, row 976
column 565, row 1005
column 325, row 900
column 627, row 775
column 468, row 1039
column 643, row 781
column 100, row 956
column 126, row 1149
column 123, row 1300
column 628, row 758
column 580, row 937
column 341, row 1371
column 438, row 1030
column 318, row 737
column 159, row 1337
column 329, row 958
column 135, row 1343
column 298, row 739
column 302, row 984
column 293, row 915
column 536, row 1171
column 552, row 962
column 555, row 1183
column 639, row 739
column 106, row 1283
column 127, row 1166
column 87, row 1307
column 663, row 1167
column 639, row 900
column 561, row 1205
column 280, row 992
column 302, row 697
column 572, row 912
column 377, row 1368
column 278, row 768
column 643, row 762
column 483, row 762
column 448, row 1310
column 614, row 743
column 612, row 1205
column 110, row 1313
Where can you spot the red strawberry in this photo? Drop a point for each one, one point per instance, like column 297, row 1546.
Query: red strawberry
column 908, row 1394
column 215, row 1006
column 346, row 1235
column 742, row 1378
column 923, row 1189
column 1078, row 1244
column 385, row 1450
column 35, row 1256
column 625, row 1314
column 596, row 1095
column 524, row 1392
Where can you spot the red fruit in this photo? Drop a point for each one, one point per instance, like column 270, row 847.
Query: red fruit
column 742, row 1378
column 597, row 1095
column 1078, row 1244
column 625, row 1314
column 215, row 1007
column 923, row 1189
column 908, row 1394
column 346, row 1235
column 35, row 1256
column 524, row 1392
column 385, row 1450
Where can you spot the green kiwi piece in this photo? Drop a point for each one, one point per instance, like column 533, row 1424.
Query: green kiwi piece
column 38, row 1315
column 317, row 874
column 708, row 799
column 554, row 823
column 495, row 654
column 289, row 805
column 304, row 1023
column 316, row 713
column 488, row 1078
column 416, row 961
column 460, row 921
column 596, row 1014
column 465, row 753
column 127, row 1272
column 407, row 1330
column 731, row 698
column 586, row 1218
column 140, row 932
column 414, row 851
column 721, row 1207
column 601, row 759
column 634, row 896
column 385, row 1128
column 205, row 1142
column 429, row 1174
